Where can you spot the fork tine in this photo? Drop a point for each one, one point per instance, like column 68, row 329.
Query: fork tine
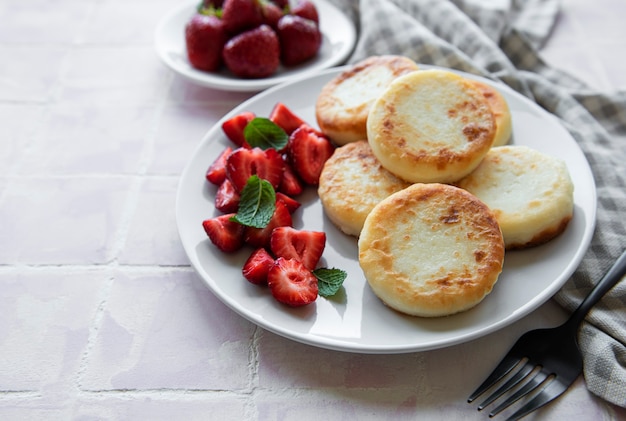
column 505, row 366
column 549, row 393
column 514, row 380
column 535, row 380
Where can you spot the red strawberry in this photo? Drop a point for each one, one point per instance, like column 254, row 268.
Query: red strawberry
column 227, row 198
column 240, row 15
column 260, row 237
column 281, row 3
column 234, row 126
column 300, row 39
column 290, row 184
column 309, row 149
column 306, row 9
column 257, row 266
column 212, row 3
column 291, row 203
column 285, row 118
column 302, row 245
column 216, row 173
column 253, row 54
column 243, row 163
column 204, row 39
column 224, row 233
column 291, row 283
column 271, row 13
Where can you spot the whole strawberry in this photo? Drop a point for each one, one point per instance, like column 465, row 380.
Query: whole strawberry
column 306, row 9
column 240, row 15
column 205, row 38
column 253, row 54
column 300, row 39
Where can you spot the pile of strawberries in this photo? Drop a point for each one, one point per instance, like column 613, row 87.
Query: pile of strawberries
column 252, row 37
column 266, row 176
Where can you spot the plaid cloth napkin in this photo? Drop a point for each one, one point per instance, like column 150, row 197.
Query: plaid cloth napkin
column 500, row 40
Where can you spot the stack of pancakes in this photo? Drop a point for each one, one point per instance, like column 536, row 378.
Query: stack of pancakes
column 424, row 178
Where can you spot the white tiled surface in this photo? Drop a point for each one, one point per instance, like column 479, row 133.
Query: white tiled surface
column 101, row 317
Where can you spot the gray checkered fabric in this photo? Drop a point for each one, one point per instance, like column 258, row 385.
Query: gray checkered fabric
column 500, row 40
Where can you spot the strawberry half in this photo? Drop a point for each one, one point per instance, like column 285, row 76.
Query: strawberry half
column 309, row 149
column 291, row 203
column 291, row 283
column 260, row 237
column 234, row 126
column 243, row 163
column 216, row 173
column 257, row 266
column 285, row 118
column 224, row 233
column 302, row 245
column 227, row 198
column 290, row 184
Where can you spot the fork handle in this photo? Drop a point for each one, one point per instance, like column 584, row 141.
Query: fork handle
column 609, row 280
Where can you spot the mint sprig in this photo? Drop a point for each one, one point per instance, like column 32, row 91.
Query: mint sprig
column 257, row 203
column 329, row 281
column 263, row 133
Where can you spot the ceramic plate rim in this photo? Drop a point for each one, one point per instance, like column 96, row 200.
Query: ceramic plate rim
column 171, row 50
column 343, row 344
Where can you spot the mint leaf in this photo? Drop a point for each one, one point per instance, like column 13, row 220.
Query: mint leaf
column 257, row 203
column 329, row 280
column 263, row 133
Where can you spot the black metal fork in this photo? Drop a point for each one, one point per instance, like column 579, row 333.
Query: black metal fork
column 543, row 363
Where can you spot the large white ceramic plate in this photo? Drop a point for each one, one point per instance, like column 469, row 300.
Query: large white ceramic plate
column 338, row 39
column 355, row 320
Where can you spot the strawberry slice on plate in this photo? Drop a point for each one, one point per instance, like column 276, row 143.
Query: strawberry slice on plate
column 224, row 233
column 303, row 245
column 243, row 163
column 227, row 198
column 309, row 149
column 216, row 173
column 257, row 266
column 291, row 283
column 285, row 118
column 234, row 126
column 260, row 237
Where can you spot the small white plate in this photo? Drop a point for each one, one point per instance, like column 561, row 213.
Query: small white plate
column 338, row 39
column 355, row 320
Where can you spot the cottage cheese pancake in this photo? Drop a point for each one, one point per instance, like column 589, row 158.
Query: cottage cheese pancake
column 500, row 110
column 343, row 105
column 352, row 183
column 431, row 250
column 431, row 126
column 530, row 193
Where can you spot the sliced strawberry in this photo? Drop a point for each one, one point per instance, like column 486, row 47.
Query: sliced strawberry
column 257, row 266
column 243, row 163
column 224, row 233
column 216, row 173
column 234, row 126
column 227, row 198
column 291, row 203
column 302, row 245
column 291, row 283
column 260, row 237
column 309, row 149
column 285, row 118
column 290, row 184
